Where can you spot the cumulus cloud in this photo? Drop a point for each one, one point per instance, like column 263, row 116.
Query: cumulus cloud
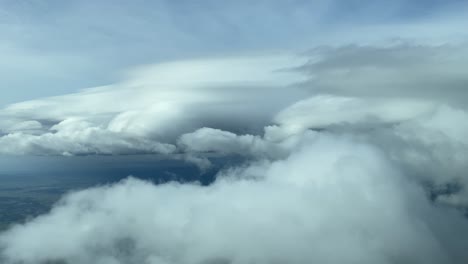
column 332, row 200
column 77, row 137
column 224, row 142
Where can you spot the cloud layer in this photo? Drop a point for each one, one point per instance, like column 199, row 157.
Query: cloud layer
column 332, row 200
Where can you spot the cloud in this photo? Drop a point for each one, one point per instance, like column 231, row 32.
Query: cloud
column 224, row 142
column 331, row 200
column 358, row 155
column 404, row 70
column 324, row 110
column 153, row 107
column 406, row 99
column 352, row 152
column 351, row 84
column 62, row 47
column 78, row 137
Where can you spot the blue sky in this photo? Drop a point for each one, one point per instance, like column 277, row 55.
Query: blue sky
column 56, row 47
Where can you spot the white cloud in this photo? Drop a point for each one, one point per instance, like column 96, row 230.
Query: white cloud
column 332, row 200
column 349, row 158
column 156, row 104
column 78, row 137
column 224, row 142
column 323, row 111
column 347, row 166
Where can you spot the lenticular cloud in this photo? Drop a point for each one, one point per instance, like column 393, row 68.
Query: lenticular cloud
column 330, row 201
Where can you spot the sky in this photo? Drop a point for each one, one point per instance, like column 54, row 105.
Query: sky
column 347, row 122
column 56, row 47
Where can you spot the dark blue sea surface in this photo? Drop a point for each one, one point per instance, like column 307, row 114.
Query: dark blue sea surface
column 29, row 186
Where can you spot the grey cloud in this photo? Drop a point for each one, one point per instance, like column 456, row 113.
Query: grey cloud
column 402, row 71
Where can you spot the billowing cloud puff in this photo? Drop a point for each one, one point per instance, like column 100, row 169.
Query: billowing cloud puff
column 78, row 137
column 332, row 200
column 224, row 142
